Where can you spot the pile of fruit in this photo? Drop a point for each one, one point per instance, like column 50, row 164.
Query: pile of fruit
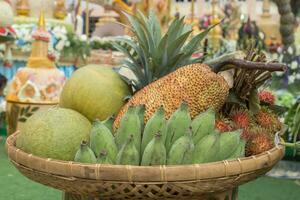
column 177, row 109
column 176, row 141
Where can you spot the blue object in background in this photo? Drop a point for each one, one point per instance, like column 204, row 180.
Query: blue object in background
column 11, row 71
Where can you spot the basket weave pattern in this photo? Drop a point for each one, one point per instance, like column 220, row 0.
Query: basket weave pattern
column 137, row 182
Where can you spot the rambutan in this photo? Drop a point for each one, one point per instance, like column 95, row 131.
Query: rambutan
column 268, row 120
column 223, row 124
column 258, row 143
column 241, row 118
column 246, row 134
column 267, row 97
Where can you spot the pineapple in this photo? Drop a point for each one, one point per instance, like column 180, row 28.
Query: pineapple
column 166, row 75
column 152, row 55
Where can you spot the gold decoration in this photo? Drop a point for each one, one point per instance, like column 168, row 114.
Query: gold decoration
column 39, row 54
column 23, row 8
column 215, row 34
column 60, row 11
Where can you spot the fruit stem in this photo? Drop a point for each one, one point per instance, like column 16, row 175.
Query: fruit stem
column 245, row 64
column 295, row 145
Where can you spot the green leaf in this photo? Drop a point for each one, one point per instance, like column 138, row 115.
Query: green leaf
column 195, row 42
column 233, row 98
column 176, row 45
column 278, row 110
column 155, row 27
column 22, row 119
column 137, row 28
column 22, row 111
column 34, row 109
column 254, row 103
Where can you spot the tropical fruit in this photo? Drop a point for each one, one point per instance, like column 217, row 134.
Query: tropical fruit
column 182, row 150
column 109, row 122
column 241, row 118
column 95, row 91
column 157, row 123
column 207, row 149
column 155, row 152
column 223, row 124
column 130, row 125
column 54, row 133
column 229, row 142
column 101, row 139
column 177, row 125
column 266, row 97
column 128, row 154
column 259, row 143
column 203, row 125
column 268, row 120
column 103, row 158
column 195, row 84
column 239, row 151
column 85, row 154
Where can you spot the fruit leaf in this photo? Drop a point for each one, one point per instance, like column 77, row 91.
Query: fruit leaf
column 233, row 98
column 22, row 119
column 28, row 114
column 27, row 109
column 254, row 103
column 279, row 110
column 34, row 109
column 22, row 111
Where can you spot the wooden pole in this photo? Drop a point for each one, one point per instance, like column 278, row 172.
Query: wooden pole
column 193, row 10
column 87, row 20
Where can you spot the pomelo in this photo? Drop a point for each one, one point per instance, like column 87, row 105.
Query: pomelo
column 54, row 133
column 95, row 91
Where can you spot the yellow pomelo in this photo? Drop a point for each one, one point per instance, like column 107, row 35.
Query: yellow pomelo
column 54, row 133
column 96, row 91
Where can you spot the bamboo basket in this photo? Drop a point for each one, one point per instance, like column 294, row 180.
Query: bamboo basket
column 200, row 181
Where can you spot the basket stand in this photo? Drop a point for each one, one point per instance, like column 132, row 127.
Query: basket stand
column 227, row 195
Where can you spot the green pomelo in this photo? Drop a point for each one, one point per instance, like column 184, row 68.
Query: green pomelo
column 96, row 91
column 54, row 133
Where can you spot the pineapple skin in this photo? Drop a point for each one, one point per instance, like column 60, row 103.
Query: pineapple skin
column 195, row 84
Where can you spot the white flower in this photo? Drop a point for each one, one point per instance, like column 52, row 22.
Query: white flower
column 290, row 50
column 292, row 79
column 67, row 44
column 83, row 38
column 294, row 65
column 60, row 45
column 298, row 76
column 279, row 73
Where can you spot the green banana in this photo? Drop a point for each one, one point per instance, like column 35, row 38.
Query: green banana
column 102, row 139
column 85, row 154
column 128, row 155
column 109, row 123
column 177, row 125
column 229, row 142
column 130, row 125
column 239, row 151
column 155, row 152
column 203, row 125
column 207, row 149
column 157, row 123
column 103, row 158
column 182, row 150
column 140, row 110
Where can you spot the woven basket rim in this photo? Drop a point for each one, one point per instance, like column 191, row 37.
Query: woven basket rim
column 127, row 173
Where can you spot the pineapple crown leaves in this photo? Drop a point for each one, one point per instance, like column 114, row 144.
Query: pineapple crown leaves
column 151, row 54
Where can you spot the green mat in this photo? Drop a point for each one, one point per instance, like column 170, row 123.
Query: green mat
column 14, row 186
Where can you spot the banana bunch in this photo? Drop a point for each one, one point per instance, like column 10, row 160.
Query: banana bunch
column 85, row 154
column 177, row 141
